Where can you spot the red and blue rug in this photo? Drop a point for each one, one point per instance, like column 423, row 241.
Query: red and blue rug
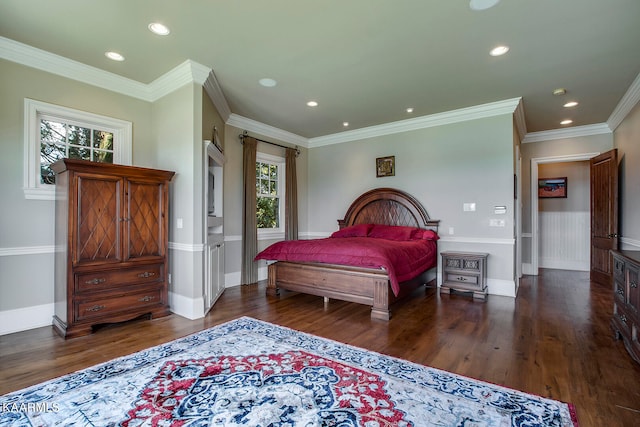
column 251, row 373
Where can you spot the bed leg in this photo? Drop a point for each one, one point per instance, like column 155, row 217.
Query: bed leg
column 380, row 309
column 272, row 289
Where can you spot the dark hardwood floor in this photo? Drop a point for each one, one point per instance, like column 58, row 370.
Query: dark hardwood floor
column 553, row 340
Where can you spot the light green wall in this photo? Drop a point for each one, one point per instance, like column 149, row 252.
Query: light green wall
column 443, row 167
column 578, row 184
column 26, row 226
column 233, row 196
column 178, row 148
column 627, row 141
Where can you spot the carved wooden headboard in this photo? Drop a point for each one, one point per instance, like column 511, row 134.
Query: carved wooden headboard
column 388, row 206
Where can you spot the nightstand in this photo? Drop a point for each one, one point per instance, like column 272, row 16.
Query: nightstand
column 465, row 272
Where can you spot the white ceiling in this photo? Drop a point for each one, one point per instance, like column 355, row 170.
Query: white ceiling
column 363, row 61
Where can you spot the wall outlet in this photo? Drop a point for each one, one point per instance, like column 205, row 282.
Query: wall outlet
column 179, row 223
column 169, row 278
column 497, row 222
column 450, row 230
column 469, row 207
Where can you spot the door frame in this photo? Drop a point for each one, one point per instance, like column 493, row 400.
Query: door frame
column 534, row 197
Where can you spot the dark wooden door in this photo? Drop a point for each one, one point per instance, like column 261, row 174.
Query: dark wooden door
column 604, row 215
column 97, row 234
column 144, row 224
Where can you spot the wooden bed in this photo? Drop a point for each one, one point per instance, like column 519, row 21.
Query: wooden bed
column 356, row 284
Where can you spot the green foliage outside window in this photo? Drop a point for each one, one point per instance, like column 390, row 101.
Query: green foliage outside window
column 268, row 202
column 268, row 212
column 59, row 140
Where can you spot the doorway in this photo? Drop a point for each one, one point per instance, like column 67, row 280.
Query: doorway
column 535, row 205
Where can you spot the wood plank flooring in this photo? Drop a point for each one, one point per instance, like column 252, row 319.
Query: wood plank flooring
column 553, row 340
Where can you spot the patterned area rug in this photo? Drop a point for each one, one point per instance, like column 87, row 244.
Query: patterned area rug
column 250, row 373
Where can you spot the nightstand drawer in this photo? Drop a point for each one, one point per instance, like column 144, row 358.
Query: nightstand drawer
column 461, row 278
column 465, row 264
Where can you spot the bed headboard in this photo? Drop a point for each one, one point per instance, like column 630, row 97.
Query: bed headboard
column 388, row 206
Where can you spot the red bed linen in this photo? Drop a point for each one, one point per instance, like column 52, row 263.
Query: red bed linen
column 403, row 260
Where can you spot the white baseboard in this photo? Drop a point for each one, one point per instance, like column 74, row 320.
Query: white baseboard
column 23, row 319
column 560, row 264
column 527, row 268
column 505, row 288
column 233, row 279
column 629, row 244
column 191, row 308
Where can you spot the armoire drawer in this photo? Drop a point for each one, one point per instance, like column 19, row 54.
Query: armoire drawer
column 99, row 307
column 109, row 279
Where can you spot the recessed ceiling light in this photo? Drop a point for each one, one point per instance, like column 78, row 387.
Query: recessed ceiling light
column 267, row 82
column 114, row 56
column 499, row 50
column 159, row 29
column 345, row 124
column 570, row 104
column 410, row 110
column 482, row 4
column 566, row 122
column 312, row 104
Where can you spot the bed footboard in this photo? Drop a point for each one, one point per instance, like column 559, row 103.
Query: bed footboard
column 360, row 285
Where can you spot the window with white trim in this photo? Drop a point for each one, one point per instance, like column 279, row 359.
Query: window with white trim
column 53, row 132
column 270, row 175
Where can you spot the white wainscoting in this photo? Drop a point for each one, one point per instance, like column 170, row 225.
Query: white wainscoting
column 564, row 240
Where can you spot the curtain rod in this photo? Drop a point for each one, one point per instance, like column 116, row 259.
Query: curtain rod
column 245, row 133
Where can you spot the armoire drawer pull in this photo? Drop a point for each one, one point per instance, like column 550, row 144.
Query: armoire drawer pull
column 95, row 281
column 96, row 308
column 146, row 274
column 146, row 298
column 620, row 292
column 462, row 279
column 623, row 318
column 634, row 285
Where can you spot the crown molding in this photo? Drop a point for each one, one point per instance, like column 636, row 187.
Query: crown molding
column 520, row 121
column 187, row 72
column 626, row 104
column 65, row 67
column 213, row 89
column 267, row 130
column 573, row 132
column 508, row 106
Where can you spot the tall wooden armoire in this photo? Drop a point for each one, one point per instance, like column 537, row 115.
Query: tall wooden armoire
column 111, row 244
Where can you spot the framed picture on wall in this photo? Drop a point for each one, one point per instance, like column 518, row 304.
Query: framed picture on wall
column 385, row 166
column 552, row 188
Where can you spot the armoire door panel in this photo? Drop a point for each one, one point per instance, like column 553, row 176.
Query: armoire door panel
column 144, row 223
column 98, row 220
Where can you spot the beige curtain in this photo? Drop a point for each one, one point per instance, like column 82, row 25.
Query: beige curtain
column 291, row 196
column 249, row 273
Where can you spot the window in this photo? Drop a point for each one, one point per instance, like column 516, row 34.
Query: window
column 270, row 193
column 53, row 132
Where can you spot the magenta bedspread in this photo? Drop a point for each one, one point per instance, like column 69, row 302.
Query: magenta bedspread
column 402, row 260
